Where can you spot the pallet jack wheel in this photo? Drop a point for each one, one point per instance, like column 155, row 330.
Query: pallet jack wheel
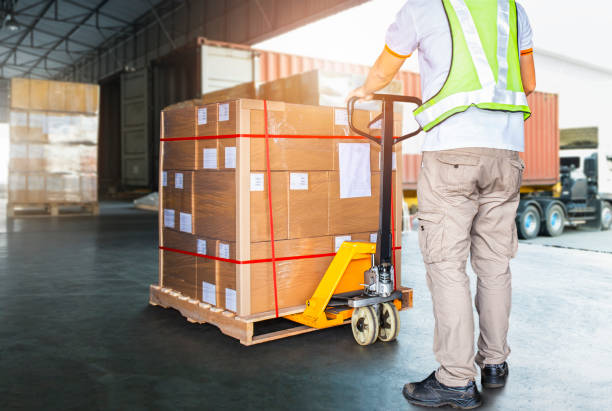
column 365, row 325
column 389, row 322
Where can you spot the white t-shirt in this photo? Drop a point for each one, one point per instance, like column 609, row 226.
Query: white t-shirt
column 423, row 25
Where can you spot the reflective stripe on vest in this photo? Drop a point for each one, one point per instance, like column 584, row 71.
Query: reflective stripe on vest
column 490, row 94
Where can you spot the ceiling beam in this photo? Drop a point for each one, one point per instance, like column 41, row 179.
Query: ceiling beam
column 28, row 30
column 70, row 33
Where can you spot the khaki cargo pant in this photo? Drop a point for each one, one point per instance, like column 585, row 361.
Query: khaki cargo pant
column 467, row 205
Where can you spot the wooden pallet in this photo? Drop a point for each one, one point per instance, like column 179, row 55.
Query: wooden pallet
column 244, row 329
column 51, row 209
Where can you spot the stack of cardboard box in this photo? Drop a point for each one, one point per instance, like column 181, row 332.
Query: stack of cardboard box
column 53, row 142
column 214, row 199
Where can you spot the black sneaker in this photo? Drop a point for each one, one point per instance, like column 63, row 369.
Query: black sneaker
column 494, row 375
column 432, row 393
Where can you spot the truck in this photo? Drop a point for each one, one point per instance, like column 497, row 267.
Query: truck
column 583, row 196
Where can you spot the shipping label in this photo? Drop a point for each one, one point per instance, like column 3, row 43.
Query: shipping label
column 298, row 181
column 185, row 222
column 201, row 247
column 19, row 118
column 230, row 299
column 164, row 178
column 18, row 150
column 341, row 117
column 224, row 112
column 355, row 175
column 178, row 180
column 209, row 293
column 202, row 114
column 210, row 158
column 339, row 240
column 230, row 157
column 373, row 237
column 168, row 218
column 224, row 250
column 257, row 182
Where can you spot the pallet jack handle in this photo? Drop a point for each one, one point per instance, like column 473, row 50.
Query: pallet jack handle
column 384, row 241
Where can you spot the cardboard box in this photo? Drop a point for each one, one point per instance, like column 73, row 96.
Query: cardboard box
column 17, row 187
column 19, row 125
column 231, row 204
column 39, row 95
column 37, row 130
column 20, row 93
column 179, row 273
column 36, row 188
column 308, row 204
column 179, row 155
column 296, row 279
column 60, row 96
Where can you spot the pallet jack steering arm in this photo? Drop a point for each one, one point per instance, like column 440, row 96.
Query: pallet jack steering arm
column 387, row 140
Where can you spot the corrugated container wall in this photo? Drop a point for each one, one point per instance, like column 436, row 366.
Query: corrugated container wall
column 541, row 130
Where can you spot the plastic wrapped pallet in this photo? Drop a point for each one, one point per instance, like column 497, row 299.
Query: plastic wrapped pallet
column 53, row 142
column 318, row 200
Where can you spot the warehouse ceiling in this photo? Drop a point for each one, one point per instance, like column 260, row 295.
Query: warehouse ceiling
column 90, row 39
column 40, row 38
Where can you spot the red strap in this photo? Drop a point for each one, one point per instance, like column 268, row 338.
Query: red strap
column 262, row 136
column 270, row 205
column 263, row 260
column 393, row 237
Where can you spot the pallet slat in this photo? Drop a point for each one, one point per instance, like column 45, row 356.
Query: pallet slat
column 51, row 209
column 229, row 324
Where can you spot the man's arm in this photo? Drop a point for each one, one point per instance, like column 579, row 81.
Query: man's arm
column 385, row 68
column 528, row 73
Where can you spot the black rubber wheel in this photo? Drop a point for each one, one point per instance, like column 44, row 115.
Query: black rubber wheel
column 606, row 216
column 528, row 225
column 554, row 221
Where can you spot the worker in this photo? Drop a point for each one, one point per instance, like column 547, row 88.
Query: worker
column 476, row 66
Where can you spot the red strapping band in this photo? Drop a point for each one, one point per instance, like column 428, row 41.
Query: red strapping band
column 223, row 136
column 270, row 205
column 263, row 260
column 393, row 238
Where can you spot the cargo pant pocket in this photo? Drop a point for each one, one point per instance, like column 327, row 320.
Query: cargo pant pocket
column 516, row 172
column 457, row 172
column 431, row 236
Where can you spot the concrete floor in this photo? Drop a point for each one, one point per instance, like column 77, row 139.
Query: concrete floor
column 76, row 332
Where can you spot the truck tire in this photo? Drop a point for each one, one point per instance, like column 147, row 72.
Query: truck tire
column 529, row 223
column 606, row 216
column 554, row 221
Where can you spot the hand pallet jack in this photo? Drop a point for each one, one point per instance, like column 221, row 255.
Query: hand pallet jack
column 359, row 282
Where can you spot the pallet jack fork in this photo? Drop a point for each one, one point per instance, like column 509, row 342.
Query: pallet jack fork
column 359, row 282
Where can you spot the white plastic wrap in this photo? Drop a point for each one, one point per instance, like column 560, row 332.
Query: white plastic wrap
column 36, row 182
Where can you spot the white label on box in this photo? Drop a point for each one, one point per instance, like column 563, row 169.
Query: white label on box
column 37, row 120
column 298, row 181
column 201, row 247
column 230, row 157
column 185, row 222
column 178, row 180
column 224, row 112
column 209, row 293
column 168, row 218
column 202, row 114
column 18, row 151
column 340, row 239
column 230, row 299
column 257, row 182
column 210, row 158
column 224, row 250
column 355, row 176
column 36, row 151
column 164, row 178
column 19, row 118
column 373, row 237
column 341, row 117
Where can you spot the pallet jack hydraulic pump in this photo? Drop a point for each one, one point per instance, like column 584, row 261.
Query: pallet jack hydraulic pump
column 359, row 284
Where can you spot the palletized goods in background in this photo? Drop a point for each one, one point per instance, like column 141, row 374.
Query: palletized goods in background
column 53, row 146
column 218, row 162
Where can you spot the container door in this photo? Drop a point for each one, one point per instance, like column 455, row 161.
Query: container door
column 134, row 129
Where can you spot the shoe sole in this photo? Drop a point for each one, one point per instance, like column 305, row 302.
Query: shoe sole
column 444, row 404
column 491, row 385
